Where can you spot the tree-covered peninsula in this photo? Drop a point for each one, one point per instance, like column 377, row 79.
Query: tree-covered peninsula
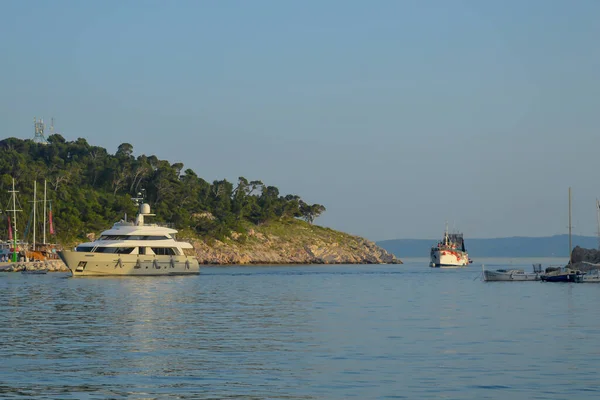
column 88, row 189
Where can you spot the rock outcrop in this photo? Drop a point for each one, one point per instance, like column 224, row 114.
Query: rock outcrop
column 50, row 266
column 585, row 259
column 292, row 244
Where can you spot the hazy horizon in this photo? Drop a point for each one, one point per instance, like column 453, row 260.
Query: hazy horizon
column 491, row 238
column 396, row 116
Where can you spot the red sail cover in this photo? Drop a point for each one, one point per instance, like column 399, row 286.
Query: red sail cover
column 9, row 230
column 50, row 220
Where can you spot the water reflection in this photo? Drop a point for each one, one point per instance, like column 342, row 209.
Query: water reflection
column 299, row 333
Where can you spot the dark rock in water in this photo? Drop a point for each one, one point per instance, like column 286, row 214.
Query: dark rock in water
column 580, row 254
column 585, row 259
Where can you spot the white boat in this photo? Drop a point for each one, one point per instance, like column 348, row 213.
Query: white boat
column 592, row 276
column 512, row 275
column 450, row 252
column 133, row 248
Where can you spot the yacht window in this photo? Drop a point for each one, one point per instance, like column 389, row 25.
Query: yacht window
column 83, row 249
column 104, row 250
column 146, row 237
column 142, row 250
column 132, row 237
column 117, row 250
column 111, row 237
column 163, row 251
column 124, row 250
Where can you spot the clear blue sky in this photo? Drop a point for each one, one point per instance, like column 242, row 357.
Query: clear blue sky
column 395, row 115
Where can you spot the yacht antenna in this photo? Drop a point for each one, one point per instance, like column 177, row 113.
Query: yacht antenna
column 138, row 200
column 446, row 234
column 141, row 195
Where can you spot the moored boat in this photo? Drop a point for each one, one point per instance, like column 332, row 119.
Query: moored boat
column 565, row 274
column 592, row 276
column 512, row 275
column 40, row 271
column 133, row 248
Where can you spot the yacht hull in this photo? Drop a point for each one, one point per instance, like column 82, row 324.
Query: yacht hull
column 103, row 264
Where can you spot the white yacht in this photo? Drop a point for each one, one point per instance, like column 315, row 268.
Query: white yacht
column 133, row 248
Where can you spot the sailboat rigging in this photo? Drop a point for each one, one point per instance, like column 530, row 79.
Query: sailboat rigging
column 22, row 245
column 566, row 274
column 41, row 250
column 12, row 229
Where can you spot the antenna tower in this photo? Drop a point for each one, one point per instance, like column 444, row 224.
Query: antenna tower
column 39, row 131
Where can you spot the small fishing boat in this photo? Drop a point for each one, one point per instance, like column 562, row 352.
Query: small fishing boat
column 512, row 275
column 34, row 271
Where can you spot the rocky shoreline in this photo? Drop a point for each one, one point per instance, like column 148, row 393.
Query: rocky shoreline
column 266, row 248
column 320, row 246
column 49, row 265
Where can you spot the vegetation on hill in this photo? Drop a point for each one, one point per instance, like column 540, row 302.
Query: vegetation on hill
column 89, row 189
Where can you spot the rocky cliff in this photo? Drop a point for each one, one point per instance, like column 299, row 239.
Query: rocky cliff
column 292, row 242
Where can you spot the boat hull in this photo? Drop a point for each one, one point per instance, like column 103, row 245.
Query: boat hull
column 594, row 278
column 103, row 264
column 560, row 278
column 509, row 276
column 34, row 271
column 449, row 258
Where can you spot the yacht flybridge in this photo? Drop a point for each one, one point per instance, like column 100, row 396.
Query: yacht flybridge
column 133, row 248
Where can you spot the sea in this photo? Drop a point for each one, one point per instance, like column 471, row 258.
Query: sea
column 301, row 332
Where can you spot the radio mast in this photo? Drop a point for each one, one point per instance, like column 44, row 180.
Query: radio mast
column 39, row 131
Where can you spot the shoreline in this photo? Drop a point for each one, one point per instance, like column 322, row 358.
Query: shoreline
column 50, row 265
column 59, row 266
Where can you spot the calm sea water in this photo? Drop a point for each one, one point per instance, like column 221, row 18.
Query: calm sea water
column 301, row 332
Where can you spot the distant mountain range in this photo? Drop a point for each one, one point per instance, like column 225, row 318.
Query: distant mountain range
column 549, row 246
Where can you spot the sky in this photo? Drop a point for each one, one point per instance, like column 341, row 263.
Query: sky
column 397, row 116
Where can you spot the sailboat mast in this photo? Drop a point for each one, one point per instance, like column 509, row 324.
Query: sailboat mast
column 45, row 217
column 570, row 246
column 14, row 211
column 34, row 201
column 598, row 218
